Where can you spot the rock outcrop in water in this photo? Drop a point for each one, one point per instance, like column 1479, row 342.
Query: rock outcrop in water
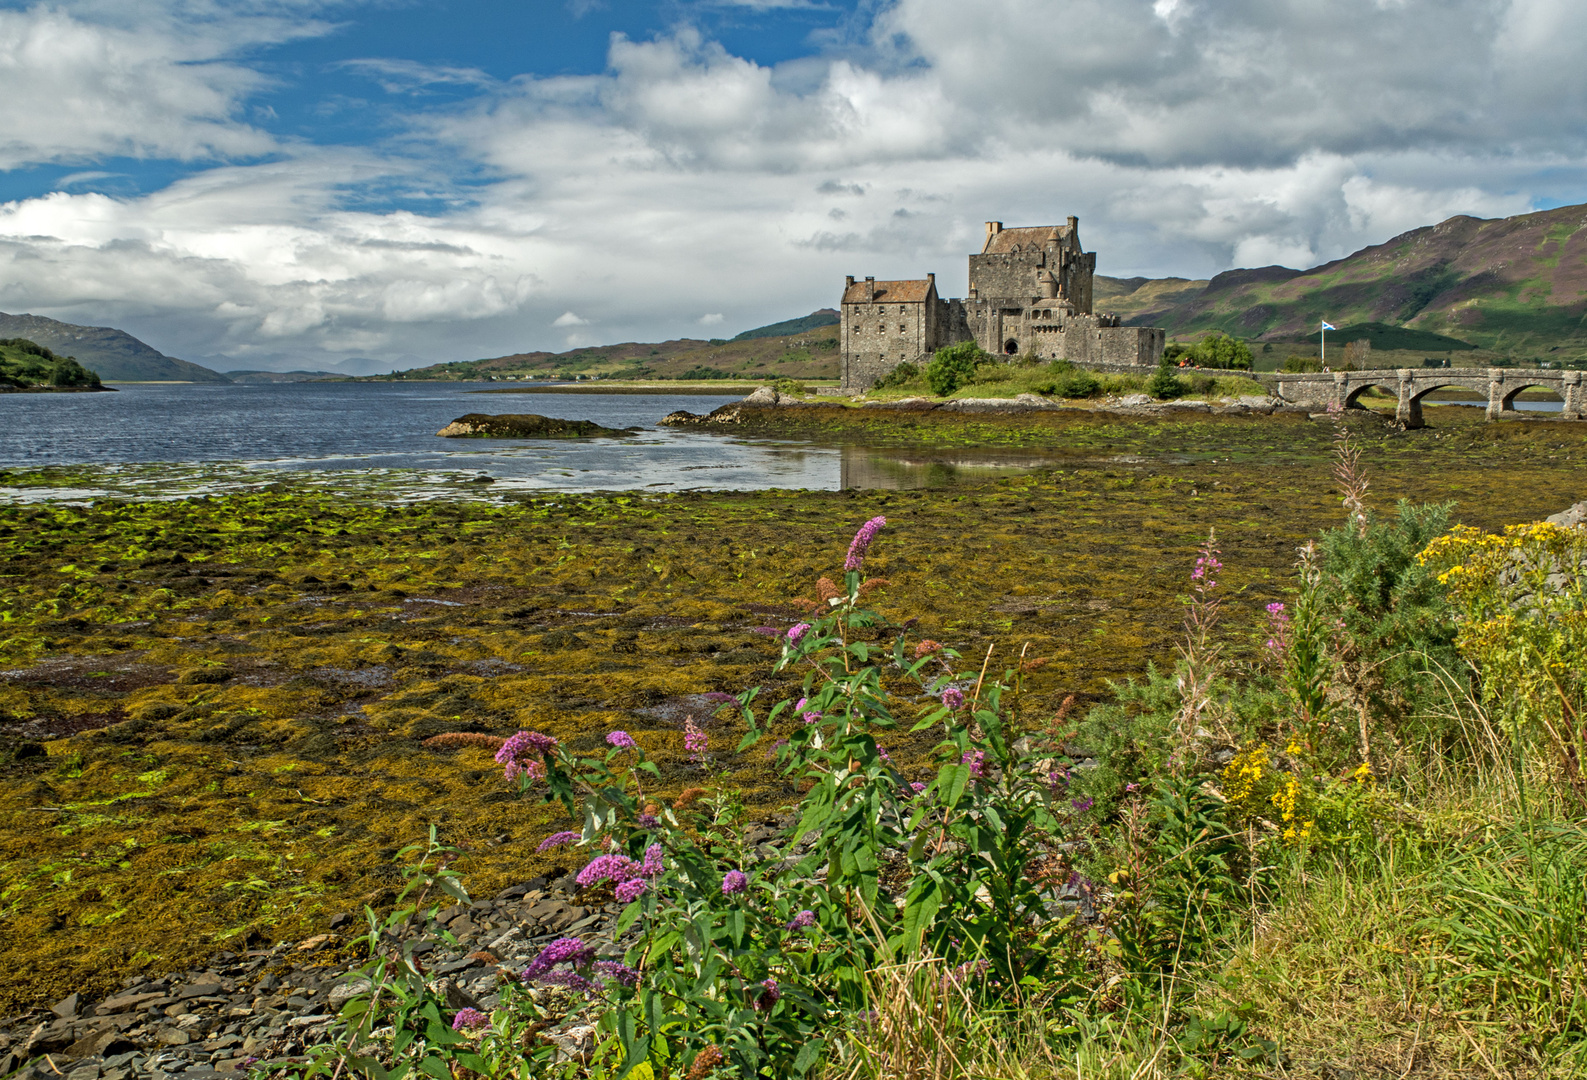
column 524, row 426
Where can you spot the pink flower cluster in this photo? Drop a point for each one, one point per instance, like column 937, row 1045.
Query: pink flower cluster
column 953, row 698
column 1278, row 629
column 862, row 543
column 632, row 878
column 695, row 740
column 514, row 755
column 976, row 759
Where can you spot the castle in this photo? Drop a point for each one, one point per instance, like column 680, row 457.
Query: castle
column 1030, row 292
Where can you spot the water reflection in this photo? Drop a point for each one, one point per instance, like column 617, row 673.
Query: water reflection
column 898, row 470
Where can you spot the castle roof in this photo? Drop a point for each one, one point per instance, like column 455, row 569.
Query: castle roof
column 892, row 292
column 1004, row 241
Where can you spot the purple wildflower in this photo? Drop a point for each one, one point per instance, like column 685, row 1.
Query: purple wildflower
column 976, row 759
column 469, row 1019
column 1081, row 805
column 862, row 542
column 647, row 821
column 631, row 890
column 811, row 717
column 617, row 972
column 570, row 951
column 532, row 769
column 622, row 740
column 797, row 631
column 953, row 698
column 881, row 752
column 652, row 867
column 618, row 867
column 802, row 921
column 557, row 840
column 734, row 882
column 917, row 787
column 771, row 993
column 1278, row 628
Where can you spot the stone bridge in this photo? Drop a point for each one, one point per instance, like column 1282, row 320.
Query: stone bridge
column 1501, row 385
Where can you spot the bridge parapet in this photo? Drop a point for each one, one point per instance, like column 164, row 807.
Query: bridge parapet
column 1501, row 386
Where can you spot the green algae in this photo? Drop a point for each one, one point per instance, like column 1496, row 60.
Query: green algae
column 230, row 691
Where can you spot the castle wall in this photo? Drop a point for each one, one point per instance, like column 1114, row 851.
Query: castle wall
column 1033, row 300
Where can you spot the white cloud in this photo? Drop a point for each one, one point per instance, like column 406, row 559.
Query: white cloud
column 158, row 85
column 684, row 178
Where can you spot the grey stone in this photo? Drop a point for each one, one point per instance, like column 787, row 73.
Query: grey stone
column 173, row 1036
column 763, row 397
column 1575, row 515
column 66, row 1007
column 343, row 992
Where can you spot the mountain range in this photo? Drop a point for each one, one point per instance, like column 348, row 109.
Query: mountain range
column 1516, row 286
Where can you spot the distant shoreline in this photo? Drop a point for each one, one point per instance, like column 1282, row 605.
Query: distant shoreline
column 56, row 389
column 694, row 389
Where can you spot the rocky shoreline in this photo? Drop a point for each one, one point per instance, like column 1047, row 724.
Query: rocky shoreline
column 525, row 426
column 758, row 404
column 265, row 1008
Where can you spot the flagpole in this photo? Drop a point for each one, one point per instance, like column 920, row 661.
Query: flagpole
column 1324, row 333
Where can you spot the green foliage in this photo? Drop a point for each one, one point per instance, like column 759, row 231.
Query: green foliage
column 701, row 372
column 790, row 386
column 1070, row 382
column 1219, row 350
column 952, row 367
column 1398, row 628
column 902, row 375
column 26, row 363
column 1164, row 383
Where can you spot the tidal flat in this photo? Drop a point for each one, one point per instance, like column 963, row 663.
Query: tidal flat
column 212, row 708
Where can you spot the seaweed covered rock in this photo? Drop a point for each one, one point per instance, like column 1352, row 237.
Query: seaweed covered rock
column 524, row 426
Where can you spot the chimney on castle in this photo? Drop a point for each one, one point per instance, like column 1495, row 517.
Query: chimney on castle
column 870, row 288
column 931, row 279
column 1074, row 223
column 848, row 281
column 992, row 229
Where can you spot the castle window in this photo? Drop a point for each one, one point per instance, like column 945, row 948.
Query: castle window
column 901, row 328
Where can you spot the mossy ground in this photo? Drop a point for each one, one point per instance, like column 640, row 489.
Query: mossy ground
column 231, row 692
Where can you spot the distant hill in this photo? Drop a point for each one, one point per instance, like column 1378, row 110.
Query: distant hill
column 1391, row 337
column 115, row 354
column 282, row 376
column 812, row 354
column 812, row 321
column 1516, row 286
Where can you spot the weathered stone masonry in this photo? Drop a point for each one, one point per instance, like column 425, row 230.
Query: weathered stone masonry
column 1030, row 292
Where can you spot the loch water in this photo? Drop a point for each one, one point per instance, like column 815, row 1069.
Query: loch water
column 241, row 433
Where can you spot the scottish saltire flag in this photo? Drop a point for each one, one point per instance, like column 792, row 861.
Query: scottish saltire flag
column 1329, row 326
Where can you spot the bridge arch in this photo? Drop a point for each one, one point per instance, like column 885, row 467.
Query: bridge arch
column 1355, row 390
column 1470, row 386
column 1507, row 403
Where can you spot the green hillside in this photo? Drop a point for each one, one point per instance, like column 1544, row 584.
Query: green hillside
column 813, row 321
column 1515, row 286
column 25, row 363
column 812, row 354
column 1383, row 336
column 115, row 354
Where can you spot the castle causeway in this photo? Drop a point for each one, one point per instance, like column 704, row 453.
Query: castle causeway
column 1030, row 293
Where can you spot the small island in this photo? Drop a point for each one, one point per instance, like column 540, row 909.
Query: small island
column 26, row 366
column 525, row 426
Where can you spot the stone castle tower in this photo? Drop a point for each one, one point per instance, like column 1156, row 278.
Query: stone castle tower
column 1030, row 293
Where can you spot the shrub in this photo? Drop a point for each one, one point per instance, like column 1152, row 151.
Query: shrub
column 952, row 367
column 1164, row 384
column 1219, row 350
column 902, row 375
column 1070, row 382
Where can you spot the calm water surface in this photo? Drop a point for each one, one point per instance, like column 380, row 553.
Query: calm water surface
column 335, row 428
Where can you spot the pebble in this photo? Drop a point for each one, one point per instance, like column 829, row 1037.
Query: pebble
column 270, row 1005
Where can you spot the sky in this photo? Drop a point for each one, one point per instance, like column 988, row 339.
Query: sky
column 293, row 183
